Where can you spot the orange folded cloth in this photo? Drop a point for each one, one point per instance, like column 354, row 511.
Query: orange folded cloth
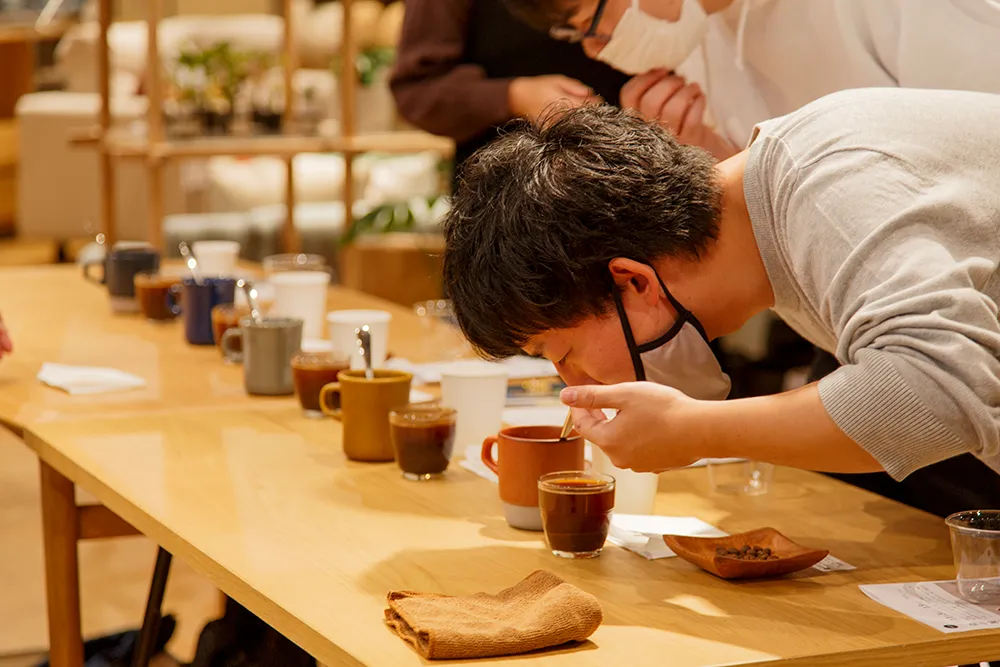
column 541, row 611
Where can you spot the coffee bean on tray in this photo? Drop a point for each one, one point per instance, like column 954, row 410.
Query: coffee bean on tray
column 747, row 552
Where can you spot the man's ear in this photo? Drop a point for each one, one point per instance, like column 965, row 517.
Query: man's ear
column 635, row 279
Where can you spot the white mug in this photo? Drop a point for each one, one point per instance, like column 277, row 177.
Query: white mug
column 344, row 325
column 478, row 392
column 301, row 295
column 635, row 492
column 216, row 258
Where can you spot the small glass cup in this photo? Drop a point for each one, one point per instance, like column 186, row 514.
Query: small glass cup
column 158, row 295
column 975, row 545
column 227, row 316
column 748, row 478
column 423, row 437
column 312, row 371
column 576, row 509
column 442, row 339
column 293, row 262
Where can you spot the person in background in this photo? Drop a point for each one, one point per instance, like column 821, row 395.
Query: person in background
column 6, row 344
column 751, row 60
column 466, row 67
column 866, row 220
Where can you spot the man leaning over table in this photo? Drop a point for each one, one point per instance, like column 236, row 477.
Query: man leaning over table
column 868, row 220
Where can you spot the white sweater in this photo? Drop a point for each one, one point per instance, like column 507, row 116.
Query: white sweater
column 877, row 216
column 796, row 51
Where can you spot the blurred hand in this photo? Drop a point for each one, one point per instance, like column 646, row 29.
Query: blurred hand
column 529, row 97
column 678, row 106
column 6, row 345
column 646, row 433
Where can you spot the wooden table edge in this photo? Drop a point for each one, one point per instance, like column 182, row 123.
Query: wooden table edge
column 307, row 638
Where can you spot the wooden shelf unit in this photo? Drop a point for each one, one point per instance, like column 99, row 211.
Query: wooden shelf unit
column 122, row 145
column 155, row 148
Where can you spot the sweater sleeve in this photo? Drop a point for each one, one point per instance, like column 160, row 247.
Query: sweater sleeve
column 433, row 88
column 919, row 339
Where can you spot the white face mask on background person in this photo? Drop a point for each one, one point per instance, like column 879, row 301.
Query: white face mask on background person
column 680, row 358
column 641, row 42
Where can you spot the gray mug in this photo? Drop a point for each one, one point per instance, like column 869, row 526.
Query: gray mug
column 266, row 351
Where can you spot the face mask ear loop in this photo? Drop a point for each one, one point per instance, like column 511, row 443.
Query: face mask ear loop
column 633, row 349
column 682, row 312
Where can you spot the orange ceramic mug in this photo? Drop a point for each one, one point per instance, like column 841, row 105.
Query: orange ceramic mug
column 526, row 453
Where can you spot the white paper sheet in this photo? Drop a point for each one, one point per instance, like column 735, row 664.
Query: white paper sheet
column 643, row 534
column 935, row 603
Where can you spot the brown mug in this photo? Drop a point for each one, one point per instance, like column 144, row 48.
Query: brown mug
column 364, row 410
column 526, row 453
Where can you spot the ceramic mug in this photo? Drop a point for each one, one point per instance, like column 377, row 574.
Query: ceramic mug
column 364, row 410
column 526, row 453
column 121, row 265
column 265, row 350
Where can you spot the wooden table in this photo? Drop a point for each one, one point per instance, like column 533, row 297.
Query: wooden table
column 263, row 502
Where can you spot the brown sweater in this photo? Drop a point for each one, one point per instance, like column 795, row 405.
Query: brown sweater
column 456, row 59
column 434, row 89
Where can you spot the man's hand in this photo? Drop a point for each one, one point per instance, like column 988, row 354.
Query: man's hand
column 640, row 435
column 6, row 344
column 658, row 428
column 676, row 105
column 529, row 97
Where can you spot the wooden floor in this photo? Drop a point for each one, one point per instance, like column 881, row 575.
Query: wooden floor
column 115, row 574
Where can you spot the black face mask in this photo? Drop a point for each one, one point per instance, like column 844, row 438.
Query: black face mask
column 681, row 358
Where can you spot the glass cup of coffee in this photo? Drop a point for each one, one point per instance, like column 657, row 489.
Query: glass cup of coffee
column 423, row 436
column 311, row 371
column 227, row 316
column 576, row 511
column 158, row 295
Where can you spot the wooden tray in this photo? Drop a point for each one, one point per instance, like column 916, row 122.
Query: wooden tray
column 792, row 557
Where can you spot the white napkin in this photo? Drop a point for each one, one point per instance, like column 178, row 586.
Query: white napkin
column 643, row 534
column 78, row 380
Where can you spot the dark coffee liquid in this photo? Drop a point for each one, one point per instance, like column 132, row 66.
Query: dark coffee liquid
column 225, row 319
column 423, row 449
column 154, row 298
column 576, row 515
column 310, row 380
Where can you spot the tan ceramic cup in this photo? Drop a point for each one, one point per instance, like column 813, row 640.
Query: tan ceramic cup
column 364, row 410
column 526, row 453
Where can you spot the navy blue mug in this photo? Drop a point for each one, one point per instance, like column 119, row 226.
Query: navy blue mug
column 197, row 303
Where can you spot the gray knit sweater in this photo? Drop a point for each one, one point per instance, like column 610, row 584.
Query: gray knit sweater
column 877, row 215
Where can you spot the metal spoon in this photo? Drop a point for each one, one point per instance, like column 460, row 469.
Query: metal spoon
column 567, row 426
column 191, row 262
column 365, row 350
column 252, row 294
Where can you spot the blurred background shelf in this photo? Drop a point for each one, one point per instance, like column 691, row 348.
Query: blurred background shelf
column 124, row 145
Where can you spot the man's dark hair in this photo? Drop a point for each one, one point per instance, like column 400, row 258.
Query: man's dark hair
column 540, row 212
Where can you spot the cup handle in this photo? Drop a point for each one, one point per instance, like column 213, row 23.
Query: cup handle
column 174, row 299
column 487, row 453
column 230, row 352
column 91, row 278
column 327, row 390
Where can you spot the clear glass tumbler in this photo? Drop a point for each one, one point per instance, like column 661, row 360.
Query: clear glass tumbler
column 293, row 262
column 749, row 478
column 975, row 545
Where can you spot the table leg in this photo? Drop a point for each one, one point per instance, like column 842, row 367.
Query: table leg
column 62, row 572
column 151, row 622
